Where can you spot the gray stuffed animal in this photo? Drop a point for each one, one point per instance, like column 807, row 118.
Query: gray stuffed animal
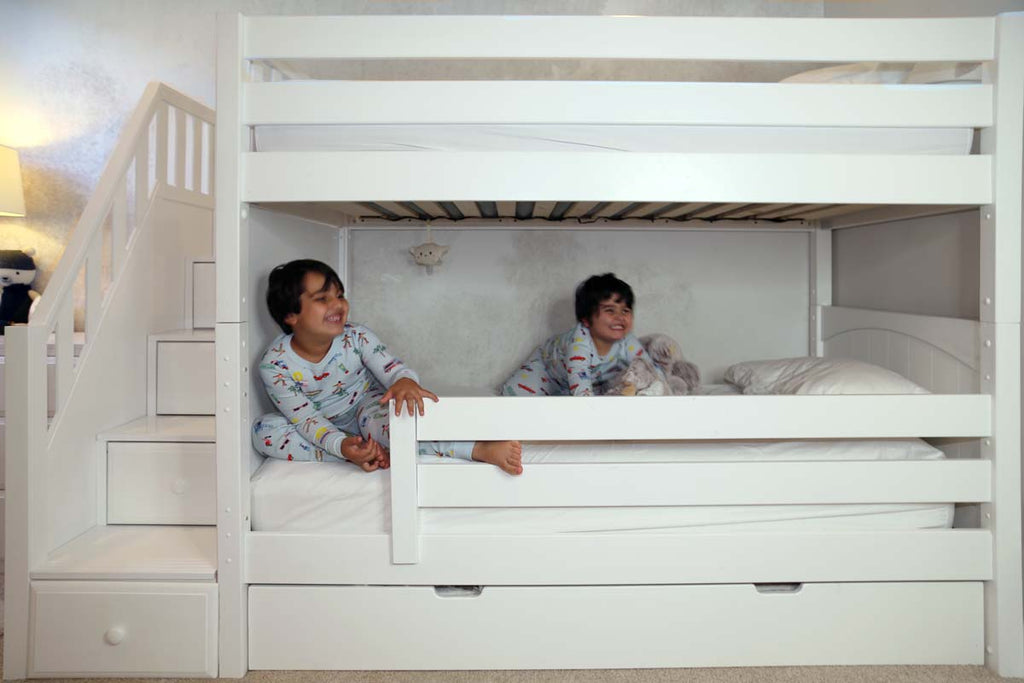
column 639, row 379
column 683, row 376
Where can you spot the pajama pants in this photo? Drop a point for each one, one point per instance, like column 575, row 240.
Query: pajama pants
column 275, row 437
column 532, row 379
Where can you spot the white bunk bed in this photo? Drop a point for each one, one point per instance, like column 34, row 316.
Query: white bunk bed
column 675, row 597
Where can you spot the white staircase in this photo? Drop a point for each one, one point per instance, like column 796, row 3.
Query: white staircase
column 111, row 542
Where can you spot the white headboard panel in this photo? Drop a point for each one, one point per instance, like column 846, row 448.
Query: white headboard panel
column 940, row 354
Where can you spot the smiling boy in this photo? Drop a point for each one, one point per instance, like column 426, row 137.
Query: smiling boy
column 581, row 361
column 331, row 380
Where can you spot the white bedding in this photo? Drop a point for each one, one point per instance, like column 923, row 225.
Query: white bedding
column 339, row 498
column 602, row 138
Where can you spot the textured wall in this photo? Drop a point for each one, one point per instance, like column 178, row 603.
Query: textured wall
column 726, row 295
column 73, row 70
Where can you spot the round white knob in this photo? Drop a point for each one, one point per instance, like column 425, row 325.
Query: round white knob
column 179, row 486
column 114, row 635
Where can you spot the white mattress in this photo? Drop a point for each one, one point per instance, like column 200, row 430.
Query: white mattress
column 603, row 138
column 339, row 498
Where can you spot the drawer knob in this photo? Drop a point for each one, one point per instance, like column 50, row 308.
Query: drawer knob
column 114, row 636
column 179, row 486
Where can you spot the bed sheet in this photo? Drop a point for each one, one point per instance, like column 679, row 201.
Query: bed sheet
column 604, row 138
column 341, row 499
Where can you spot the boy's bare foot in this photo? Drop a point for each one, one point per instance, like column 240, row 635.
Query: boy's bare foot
column 508, row 455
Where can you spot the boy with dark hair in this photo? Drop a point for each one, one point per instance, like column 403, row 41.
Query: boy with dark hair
column 579, row 362
column 332, row 379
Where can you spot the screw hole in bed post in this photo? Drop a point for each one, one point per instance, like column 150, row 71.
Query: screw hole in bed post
column 778, row 587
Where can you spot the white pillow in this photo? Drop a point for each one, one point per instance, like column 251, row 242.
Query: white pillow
column 817, row 376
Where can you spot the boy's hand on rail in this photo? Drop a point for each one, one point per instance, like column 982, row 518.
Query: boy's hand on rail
column 406, row 391
column 366, row 453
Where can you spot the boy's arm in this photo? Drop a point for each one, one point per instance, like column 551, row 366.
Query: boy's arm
column 578, row 360
column 285, row 391
column 376, row 357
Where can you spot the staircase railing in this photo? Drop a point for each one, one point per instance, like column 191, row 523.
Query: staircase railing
column 166, row 147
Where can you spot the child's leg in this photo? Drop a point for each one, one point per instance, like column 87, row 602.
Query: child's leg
column 531, row 379
column 275, row 437
column 373, row 420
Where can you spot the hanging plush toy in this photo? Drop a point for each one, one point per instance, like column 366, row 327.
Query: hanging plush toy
column 429, row 253
column 17, row 270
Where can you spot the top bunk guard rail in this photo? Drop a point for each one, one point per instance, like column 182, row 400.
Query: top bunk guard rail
column 578, row 37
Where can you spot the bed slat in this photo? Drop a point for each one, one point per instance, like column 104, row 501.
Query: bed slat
column 706, row 483
column 617, row 177
column 611, row 559
column 705, row 417
column 632, row 37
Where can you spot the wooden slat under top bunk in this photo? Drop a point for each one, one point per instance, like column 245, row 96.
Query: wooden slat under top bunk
column 454, row 212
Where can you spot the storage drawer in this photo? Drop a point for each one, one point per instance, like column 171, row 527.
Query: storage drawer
column 161, row 483
column 553, row 627
column 185, row 374
column 137, row 629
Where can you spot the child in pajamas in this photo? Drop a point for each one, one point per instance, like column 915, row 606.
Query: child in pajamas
column 331, row 381
column 581, row 361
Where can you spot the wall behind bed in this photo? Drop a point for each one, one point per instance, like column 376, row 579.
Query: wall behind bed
column 725, row 295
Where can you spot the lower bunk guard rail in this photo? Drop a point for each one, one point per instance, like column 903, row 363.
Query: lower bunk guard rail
column 939, row 554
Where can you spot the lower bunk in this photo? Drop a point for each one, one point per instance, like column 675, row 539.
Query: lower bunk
column 686, row 549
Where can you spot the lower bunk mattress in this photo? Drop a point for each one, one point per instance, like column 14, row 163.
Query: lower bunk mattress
column 339, row 498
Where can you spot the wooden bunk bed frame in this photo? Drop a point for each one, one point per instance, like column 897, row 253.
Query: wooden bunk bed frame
column 608, row 600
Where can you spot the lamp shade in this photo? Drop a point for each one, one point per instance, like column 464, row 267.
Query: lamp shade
column 12, row 199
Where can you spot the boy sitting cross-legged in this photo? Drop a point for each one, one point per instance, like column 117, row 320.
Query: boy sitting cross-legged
column 331, row 381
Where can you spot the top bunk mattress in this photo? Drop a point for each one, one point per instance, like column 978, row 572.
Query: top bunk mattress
column 338, row 498
column 606, row 138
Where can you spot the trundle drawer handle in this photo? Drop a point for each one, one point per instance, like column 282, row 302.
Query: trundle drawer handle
column 114, row 635
column 179, row 486
column 458, row 591
column 778, row 587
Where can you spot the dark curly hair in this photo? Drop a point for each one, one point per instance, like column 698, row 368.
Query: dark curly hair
column 597, row 288
column 285, row 287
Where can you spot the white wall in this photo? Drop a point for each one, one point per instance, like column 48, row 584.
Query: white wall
column 725, row 295
column 927, row 266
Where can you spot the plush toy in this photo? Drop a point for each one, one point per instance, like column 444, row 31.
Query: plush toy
column 639, row 379
column 17, row 270
column 683, row 376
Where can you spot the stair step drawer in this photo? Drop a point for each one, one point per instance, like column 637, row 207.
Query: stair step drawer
column 123, row 629
column 161, row 483
column 185, row 374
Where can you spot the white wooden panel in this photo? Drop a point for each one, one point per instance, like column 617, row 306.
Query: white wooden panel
column 297, row 627
column 735, row 483
column 161, row 483
column 185, row 378
column 615, row 559
column 626, row 37
column 404, row 503
column 543, row 102
column 705, row 417
column 955, row 336
column 137, row 629
column 135, row 553
column 616, row 176
column 204, row 294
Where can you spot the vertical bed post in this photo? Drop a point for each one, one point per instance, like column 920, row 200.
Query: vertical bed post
column 231, row 244
column 820, row 286
column 26, row 542
column 405, row 506
column 1000, row 348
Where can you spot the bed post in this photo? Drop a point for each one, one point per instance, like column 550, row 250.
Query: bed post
column 405, row 507
column 820, row 285
column 232, row 253
column 1000, row 348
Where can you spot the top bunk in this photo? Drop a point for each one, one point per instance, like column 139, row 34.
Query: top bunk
column 614, row 118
